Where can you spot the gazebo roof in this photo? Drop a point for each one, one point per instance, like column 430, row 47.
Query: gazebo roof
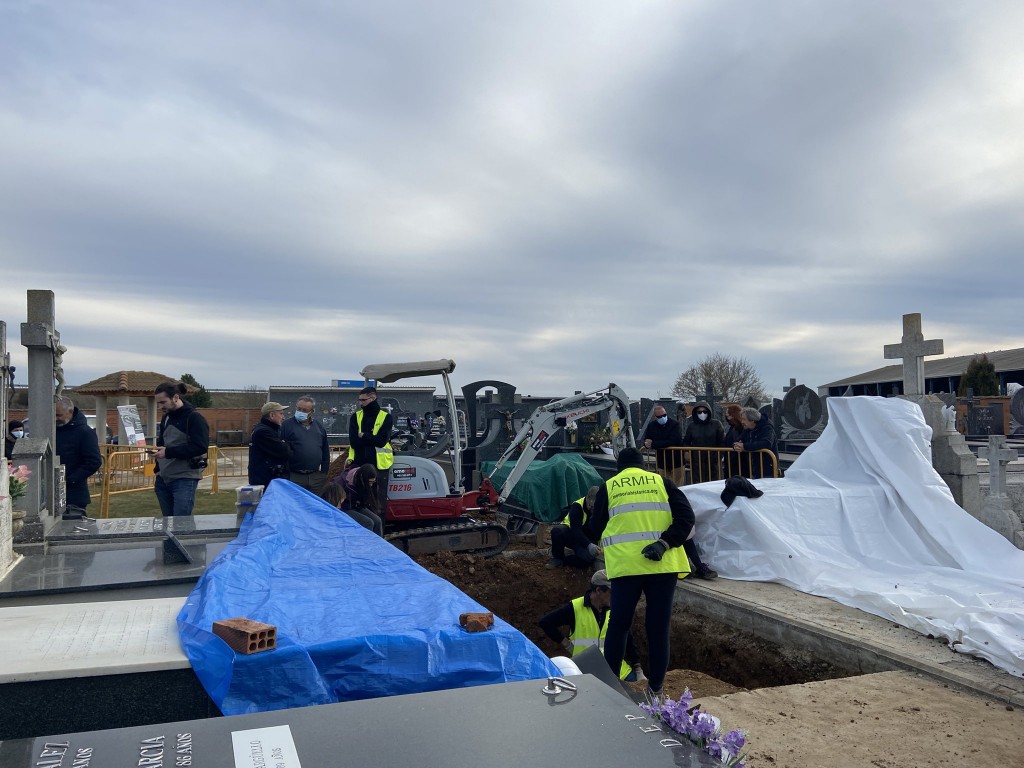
column 135, row 383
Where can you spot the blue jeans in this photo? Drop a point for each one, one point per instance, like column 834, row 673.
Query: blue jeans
column 176, row 497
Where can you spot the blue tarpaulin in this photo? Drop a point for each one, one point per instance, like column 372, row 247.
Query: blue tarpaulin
column 356, row 618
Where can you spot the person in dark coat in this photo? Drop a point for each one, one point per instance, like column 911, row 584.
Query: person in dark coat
column 703, row 431
column 733, row 430
column 181, row 450
column 15, row 430
column 268, row 451
column 369, row 439
column 664, row 432
column 757, row 434
column 78, row 449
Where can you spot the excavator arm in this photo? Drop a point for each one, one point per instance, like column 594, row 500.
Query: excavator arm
column 548, row 419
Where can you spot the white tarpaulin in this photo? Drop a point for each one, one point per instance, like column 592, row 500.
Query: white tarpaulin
column 862, row 518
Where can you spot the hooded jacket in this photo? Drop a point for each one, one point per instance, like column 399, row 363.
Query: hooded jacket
column 79, row 452
column 703, row 434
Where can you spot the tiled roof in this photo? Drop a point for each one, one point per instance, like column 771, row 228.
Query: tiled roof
column 1003, row 360
column 137, row 383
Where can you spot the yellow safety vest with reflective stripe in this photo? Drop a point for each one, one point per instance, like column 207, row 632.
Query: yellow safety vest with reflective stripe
column 582, row 506
column 385, row 455
column 588, row 634
column 638, row 513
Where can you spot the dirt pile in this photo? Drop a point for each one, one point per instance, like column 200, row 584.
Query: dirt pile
column 520, row 590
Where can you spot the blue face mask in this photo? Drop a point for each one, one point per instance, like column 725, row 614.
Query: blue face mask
column 19, row 433
column 663, row 419
column 300, row 416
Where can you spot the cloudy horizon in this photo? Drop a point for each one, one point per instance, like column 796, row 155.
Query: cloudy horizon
column 554, row 195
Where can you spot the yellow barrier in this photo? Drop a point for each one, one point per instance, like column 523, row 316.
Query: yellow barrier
column 684, row 466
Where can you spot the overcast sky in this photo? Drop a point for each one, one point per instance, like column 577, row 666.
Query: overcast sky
column 553, row 194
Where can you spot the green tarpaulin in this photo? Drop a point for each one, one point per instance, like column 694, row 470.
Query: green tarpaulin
column 548, row 487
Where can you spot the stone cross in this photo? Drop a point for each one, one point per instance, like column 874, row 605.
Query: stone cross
column 913, row 349
column 711, row 398
column 998, row 456
column 44, row 367
column 792, row 384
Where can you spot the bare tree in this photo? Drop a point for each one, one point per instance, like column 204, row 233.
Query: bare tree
column 733, row 378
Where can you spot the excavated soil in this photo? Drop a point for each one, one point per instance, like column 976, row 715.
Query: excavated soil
column 709, row 658
column 798, row 710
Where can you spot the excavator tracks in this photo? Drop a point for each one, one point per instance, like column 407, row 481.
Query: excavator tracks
column 469, row 536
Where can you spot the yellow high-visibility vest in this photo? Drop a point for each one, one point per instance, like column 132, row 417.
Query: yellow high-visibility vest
column 588, row 634
column 385, row 455
column 638, row 513
column 582, row 506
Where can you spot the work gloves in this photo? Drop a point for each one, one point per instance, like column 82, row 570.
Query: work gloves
column 567, row 645
column 655, row 550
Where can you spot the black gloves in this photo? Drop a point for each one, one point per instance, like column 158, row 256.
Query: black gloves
column 655, row 550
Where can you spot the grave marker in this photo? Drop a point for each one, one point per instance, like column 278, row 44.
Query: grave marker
column 7, row 558
column 998, row 513
column 913, row 349
column 45, row 356
column 951, row 457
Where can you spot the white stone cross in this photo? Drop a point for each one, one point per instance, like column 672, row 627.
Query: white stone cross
column 998, row 456
column 913, row 349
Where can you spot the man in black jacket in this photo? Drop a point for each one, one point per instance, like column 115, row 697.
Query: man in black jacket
column 78, row 449
column 369, row 439
column 269, row 453
column 664, row 432
column 181, row 448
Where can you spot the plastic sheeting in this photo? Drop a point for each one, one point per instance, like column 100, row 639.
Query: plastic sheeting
column 548, row 487
column 355, row 617
column 862, row 518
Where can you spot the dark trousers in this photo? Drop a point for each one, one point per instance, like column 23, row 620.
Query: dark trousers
column 563, row 537
column 383, row 478
column 659, row 589
column 369, row 520
column 311, row 481
column 690, row 548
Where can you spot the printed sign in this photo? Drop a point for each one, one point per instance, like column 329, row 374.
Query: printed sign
column 271, row 747
column 129, row 415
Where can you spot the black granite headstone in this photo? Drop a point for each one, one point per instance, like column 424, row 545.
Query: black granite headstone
column 801, row 408
column 579, row 724
column 985, row 420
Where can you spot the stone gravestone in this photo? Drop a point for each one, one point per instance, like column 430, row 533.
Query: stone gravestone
column 7, row 556
column 1017, row 413
column 44, row 367
column 801, row 414
column 951, row 457
column 998, row 513
column 985, row 420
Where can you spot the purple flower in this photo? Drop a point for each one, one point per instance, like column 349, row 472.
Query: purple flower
column 734, row 741
column 714, row 749
column 702, row 725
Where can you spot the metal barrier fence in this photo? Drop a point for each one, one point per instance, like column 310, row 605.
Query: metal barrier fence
column 685, row 466
column 130, row 469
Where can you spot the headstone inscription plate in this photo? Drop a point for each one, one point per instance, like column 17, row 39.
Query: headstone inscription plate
column 463, row 728
column 985, row 420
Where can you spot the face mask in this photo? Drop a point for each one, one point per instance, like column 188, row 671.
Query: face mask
column 702, row 416
column 663, row 419
column 18, row 433
column 300, row 416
